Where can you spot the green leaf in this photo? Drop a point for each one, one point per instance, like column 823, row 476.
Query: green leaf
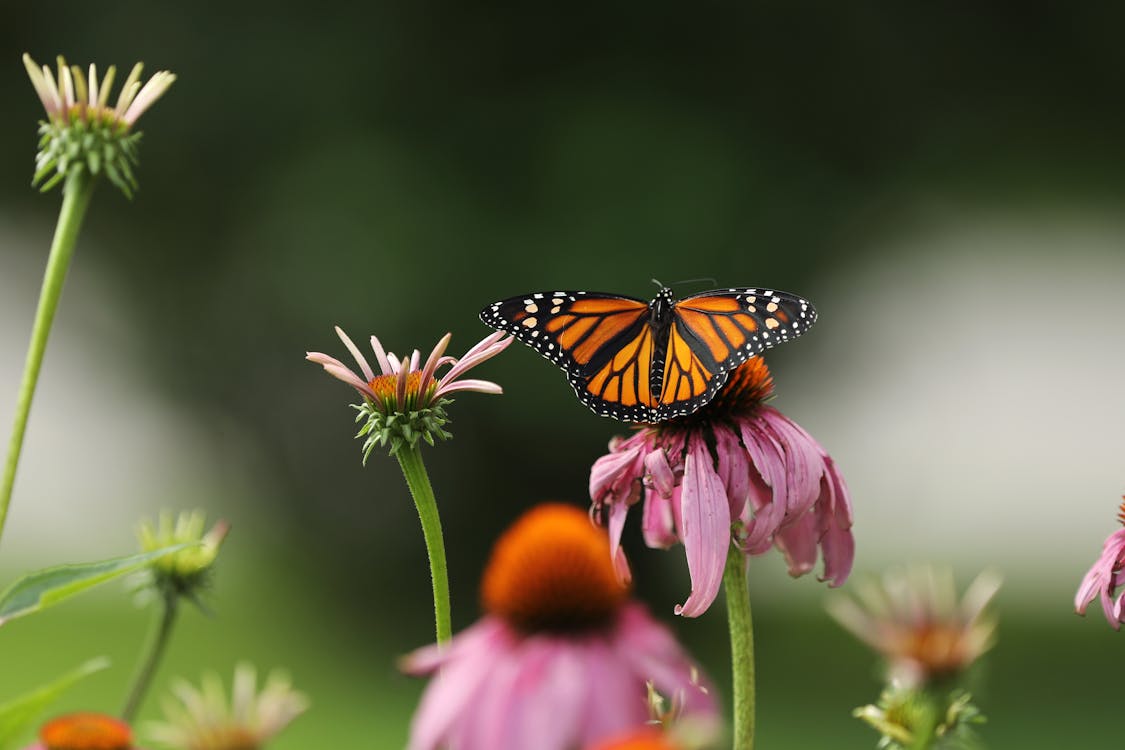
column 42, row 588
column 18, row 714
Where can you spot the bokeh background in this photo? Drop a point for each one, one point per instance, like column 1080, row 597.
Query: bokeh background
column 944, row 181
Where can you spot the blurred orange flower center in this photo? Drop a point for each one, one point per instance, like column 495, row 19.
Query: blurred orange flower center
column 86, row 731
column 937, row 647
column 551, row 571
column 648, row 738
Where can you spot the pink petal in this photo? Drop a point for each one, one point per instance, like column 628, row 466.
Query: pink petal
column 432, row 363
column 480, row 386
column 659, row 472
column 657, row 524
column 734, row 470
column 363, row 366
column 706, row 528
column 381, row 357
column 617, row 513
column 797, row 542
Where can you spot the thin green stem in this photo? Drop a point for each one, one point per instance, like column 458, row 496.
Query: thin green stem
column 157, row 644
column 76, row 198
column 410, row 459
column 741, row 648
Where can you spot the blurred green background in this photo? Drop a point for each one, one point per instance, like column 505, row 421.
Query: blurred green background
column 944, row 181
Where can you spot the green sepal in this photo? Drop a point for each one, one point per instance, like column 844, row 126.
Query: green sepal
column 42, row 588
column 19, row 714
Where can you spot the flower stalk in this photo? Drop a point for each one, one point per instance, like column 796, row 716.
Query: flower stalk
column 77, row 192
column 741, row 648
column 154, row 652
column 414, row 470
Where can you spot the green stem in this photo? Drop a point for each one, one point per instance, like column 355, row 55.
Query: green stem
column 741, row 648
column 78, row 189
column 157, row 644
column 410, row 459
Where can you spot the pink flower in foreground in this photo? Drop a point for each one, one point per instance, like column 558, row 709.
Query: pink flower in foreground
column 913, row 619
column 736, row 471
column 1105, row 578
column 563, row 656
column 406, row 400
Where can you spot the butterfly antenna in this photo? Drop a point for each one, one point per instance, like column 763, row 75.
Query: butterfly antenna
column 710, row 280
column 657, row 282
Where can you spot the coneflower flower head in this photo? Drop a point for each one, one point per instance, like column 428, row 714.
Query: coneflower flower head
column 914, row 620
column 737, row 471
column 1106, row 578
column 186, row 572
column 204, row 718
column 84, row 731
column 406, row 402
column 562, row 658
column 83, row 132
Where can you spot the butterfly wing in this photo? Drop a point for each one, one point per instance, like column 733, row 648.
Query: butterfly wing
column 714, row 332
column 603, row 342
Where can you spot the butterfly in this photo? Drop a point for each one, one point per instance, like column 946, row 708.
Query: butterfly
column 652, row 361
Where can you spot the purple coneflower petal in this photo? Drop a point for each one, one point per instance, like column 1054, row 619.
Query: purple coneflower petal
column 617, row 514
column 798, row 542
column 432, row 363
column 487, row 348
column 356, row 354
column 480, row 386
column 382, row 358
column 734, row 470
column 340, row 371
column 657, row 524
column 705, row 530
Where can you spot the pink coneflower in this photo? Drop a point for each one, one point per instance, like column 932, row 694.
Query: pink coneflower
column 913, row 619
column 84, row 731
column 736, row 471
column 407, row 399
column 1106, row 577
column 563, row 656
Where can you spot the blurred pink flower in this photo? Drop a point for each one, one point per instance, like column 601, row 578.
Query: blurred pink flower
column 737, row 471
column 1105, row 578
column 562, row 658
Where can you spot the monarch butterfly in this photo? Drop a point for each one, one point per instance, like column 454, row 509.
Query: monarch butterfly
column 652, row 361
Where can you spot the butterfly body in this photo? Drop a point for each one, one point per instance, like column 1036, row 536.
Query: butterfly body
column 652, row 361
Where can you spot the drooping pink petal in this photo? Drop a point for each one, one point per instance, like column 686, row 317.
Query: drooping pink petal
column 797, row 542
column 734, row 470
column 657, row 520
column 706, row 528
column 617, row 513
column 1101, row 581
column 616, row 476
column 768, row 461
column 834, row 520
column 802, row 459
